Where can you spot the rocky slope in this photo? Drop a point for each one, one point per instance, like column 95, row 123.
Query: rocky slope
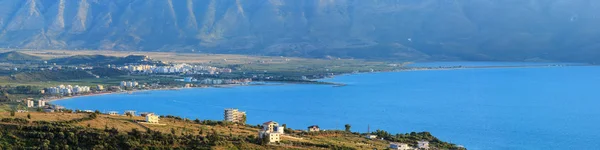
column 514, row 30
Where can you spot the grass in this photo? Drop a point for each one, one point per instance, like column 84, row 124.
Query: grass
column 38, row 116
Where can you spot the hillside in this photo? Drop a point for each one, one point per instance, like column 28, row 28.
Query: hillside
column 17, row 57
column 491, row 30
column 100, row 60
column 97, row 131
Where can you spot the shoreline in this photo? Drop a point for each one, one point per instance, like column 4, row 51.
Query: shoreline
column 319, row 81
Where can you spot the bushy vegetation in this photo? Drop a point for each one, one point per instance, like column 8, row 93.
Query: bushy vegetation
column 413, row 137
column 51, row 75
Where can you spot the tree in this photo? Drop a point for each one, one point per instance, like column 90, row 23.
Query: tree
column 28, row 116
column 243, row 121
column 12, row 112
column 129, row 114
column 265, row 140
column 347, row 126
column 173, row 131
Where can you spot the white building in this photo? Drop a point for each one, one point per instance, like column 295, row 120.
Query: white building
column 272, row 131
column 129, row 84
column 113, row 113
column 234, row 115
column 152, row 118
column 400, row 146
column 41, row 103
column 423, row 144
column 30, row 103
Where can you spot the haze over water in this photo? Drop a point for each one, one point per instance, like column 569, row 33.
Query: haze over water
column 500, row 108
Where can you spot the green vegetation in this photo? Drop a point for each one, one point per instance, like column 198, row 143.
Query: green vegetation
column 99, row 60
column 17, row 57
column 347, row 126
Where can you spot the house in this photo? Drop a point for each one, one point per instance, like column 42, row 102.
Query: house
column 314, row 128
column 49, row 110
column 272, row 131
column 400, row 146
column 152, row 118
column 235, row 115
column 423, row 144
column 100, row 87
column 113, row 113
column 88, row 111
column 371, row 136
column 272, row 126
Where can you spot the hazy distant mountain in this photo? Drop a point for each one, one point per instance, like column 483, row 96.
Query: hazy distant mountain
column 566, row 30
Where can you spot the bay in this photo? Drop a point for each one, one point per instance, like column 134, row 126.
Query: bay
column 499, row 108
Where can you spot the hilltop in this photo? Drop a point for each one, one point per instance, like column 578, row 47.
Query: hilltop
column 99, row 131
column 485, row 30
column 101, row 60
column 17, row 57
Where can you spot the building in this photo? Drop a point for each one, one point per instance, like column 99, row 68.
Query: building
column 234, row 115
column 114, row 113
column 423, row 144
column 100, row 87
column 123, row 83
column 371, row 136
column 314, row 128
column 399, row 146
column 152, row 118
column 272, row 131
column 30, row 103
column 41, row 103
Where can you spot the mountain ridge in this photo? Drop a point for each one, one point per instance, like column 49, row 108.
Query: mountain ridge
column 490, row 30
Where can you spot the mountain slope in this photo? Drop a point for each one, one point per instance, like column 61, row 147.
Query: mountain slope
column 14, row 56
column 509, row 30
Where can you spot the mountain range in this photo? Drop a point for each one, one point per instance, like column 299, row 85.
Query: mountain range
column 483, row 30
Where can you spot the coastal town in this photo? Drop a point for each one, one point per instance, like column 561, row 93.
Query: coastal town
column 76, row 76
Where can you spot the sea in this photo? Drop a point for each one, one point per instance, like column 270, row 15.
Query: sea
column 542, row 107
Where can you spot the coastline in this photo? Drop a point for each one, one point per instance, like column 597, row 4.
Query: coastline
column 320, row 80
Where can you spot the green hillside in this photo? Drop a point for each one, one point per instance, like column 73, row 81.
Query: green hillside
column 17, row 57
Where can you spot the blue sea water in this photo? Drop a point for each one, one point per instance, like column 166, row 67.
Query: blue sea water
column 500, row 108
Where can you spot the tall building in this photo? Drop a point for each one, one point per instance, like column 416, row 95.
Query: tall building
column 30, row 103
column 41, row 103
column 234, row 115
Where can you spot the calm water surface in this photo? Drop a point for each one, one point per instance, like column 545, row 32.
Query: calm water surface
column 510, row 108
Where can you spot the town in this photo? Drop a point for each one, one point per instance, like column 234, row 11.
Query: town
column 33, row 83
